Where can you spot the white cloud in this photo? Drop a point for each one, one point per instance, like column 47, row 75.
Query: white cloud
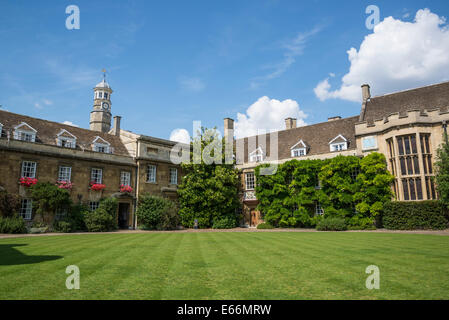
column 192, row 84
column 292, row 48
column 37, row 105
column 69, row 123
column 398, row 55
column 267, row 114
column 47, row 102
column 180, row 135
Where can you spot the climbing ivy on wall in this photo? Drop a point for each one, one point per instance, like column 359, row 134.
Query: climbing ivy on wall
column 345, row 186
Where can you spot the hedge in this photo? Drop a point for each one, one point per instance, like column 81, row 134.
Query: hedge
column 415, row 215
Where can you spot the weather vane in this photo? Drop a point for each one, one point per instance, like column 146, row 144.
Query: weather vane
column 104, row 74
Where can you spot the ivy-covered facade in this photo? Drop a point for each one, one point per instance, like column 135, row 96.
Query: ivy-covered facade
column 320, row 166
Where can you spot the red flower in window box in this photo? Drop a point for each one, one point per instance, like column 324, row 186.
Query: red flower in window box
column 64, row 185
column 96, row 186
column 124, row 188
column 27, row 182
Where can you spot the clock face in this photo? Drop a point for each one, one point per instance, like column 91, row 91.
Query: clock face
column 105, row 106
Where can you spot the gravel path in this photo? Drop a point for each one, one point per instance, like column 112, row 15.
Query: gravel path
column 434, row 232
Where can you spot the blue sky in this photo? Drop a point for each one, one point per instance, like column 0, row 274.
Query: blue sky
column 173, row 62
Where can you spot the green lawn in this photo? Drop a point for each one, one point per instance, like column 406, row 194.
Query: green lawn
column 250, row 265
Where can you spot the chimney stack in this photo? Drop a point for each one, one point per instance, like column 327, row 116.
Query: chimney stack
column 116, row 130
column 366, row 94
column 229, row 129
column 290, row 123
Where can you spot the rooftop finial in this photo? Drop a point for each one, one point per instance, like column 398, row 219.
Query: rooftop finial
column 104, row 74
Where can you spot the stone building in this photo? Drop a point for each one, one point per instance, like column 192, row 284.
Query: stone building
column 407, row 127
column 55, row 152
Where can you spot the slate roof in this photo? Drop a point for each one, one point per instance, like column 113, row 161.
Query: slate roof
column 316, row 137
column 47, row 132
column 425, row 98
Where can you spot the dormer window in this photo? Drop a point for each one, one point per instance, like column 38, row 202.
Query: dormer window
column 66, row 140
column 256, row 155
column 101, row 145
column 299, row 149
column 25, row 132
column 339, row 143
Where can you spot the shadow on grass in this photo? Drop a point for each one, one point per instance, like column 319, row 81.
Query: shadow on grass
column 10, row 256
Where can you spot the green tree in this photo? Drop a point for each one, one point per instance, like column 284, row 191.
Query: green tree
column 47, row 198
column 442, row 172
column 208, row 192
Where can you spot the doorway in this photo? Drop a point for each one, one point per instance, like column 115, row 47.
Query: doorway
column 254, row 218
column 123, row 215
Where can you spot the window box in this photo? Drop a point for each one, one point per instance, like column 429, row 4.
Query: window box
column 125, row 189
column 96, row 186
column 64, row 185
column 27, row 182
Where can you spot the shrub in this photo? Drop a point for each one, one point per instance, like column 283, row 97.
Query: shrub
column 76, row 217
column 62, row 226
column 264, row 225
column 415, row 215
column 104, row 218
column 9, row 204
column 100, row 221
column 157, row 213
column 332, row 224
column 12, row 225
column 228, row 222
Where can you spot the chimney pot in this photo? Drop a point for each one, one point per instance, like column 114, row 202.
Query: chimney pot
column 366, row 94
column 290, row 123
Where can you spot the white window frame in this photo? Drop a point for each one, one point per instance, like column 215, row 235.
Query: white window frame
column 250, row 181
column 319, row 211
column 98, row 146
column 174, row 176
column 30, row 168
column 66, row 142
column 96, row 174
column 151, row 173
column 338, row 146
column 26, row 209
column 125, row 178
column 1, row 129
column 93, row 205
column 299, row 149
column 257, row 155
column 25, row 135
column 65, row 173
column 372, row 146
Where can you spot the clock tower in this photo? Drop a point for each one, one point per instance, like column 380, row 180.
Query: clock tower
column 100, row 116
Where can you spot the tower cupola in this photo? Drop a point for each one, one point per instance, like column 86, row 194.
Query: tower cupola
column 100, row 116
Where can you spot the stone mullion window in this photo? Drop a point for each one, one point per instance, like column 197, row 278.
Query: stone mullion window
column 400, row 186
column 426, row 159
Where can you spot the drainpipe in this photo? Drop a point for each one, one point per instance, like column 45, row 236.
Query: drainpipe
column 445, row 131
column 135, row 200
